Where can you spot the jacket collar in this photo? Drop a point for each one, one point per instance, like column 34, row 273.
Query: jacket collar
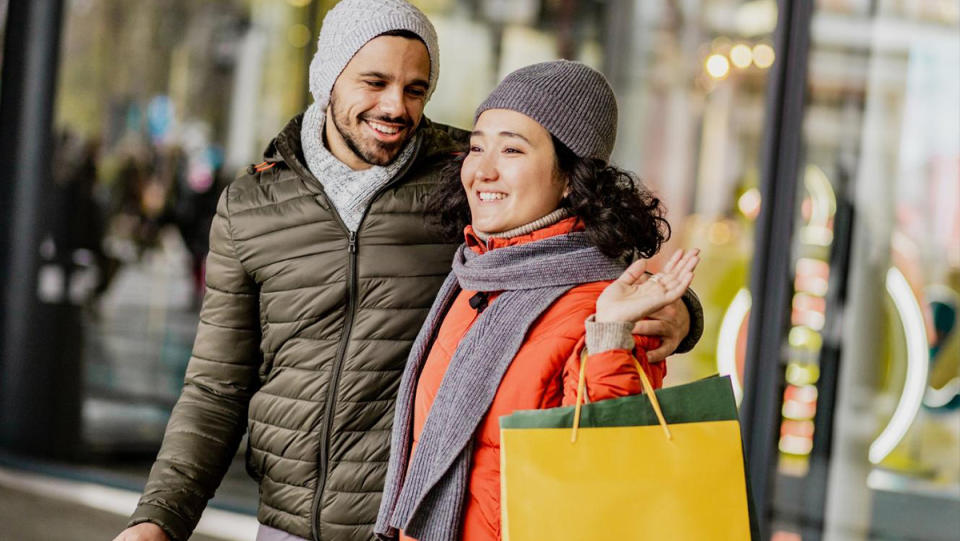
column 564, row 226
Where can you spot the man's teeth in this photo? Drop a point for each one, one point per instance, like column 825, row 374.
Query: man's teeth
column 491, row 196
column 383, row 128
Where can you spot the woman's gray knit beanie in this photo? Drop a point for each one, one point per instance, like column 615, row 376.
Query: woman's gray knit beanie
column 350, row 25
column 573, row 101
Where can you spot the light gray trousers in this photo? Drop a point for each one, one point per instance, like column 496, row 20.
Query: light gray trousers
column 266, row 533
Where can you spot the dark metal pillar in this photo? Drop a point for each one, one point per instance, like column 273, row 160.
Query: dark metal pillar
column 39, row 362
column 770, row 280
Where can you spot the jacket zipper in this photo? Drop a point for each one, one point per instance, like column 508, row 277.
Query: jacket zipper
column 329, row 404
column 333, row 386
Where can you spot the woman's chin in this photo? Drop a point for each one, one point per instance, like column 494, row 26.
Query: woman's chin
column 489, row 227
column 485, row 226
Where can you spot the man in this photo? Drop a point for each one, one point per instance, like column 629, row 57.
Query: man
column 321, row 270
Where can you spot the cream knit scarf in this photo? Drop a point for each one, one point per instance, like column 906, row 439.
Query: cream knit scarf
column 351, row 192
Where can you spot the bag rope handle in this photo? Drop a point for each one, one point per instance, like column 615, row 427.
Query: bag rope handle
column 647, row 390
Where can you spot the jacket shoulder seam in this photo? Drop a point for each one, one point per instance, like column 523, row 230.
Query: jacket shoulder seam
column 230, row 233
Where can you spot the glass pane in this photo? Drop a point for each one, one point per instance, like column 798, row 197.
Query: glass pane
column 692, row 81
column 158, row 105
column 882, row 147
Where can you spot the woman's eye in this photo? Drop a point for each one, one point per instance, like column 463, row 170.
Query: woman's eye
column 475, row 148
column 511, row 150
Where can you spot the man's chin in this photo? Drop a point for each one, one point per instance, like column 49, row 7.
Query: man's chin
column 381, row 156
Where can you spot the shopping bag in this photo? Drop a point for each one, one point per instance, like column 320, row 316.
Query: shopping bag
column 670, row 468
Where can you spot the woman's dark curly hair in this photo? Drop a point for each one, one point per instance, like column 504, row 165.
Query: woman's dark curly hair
column 621, row 217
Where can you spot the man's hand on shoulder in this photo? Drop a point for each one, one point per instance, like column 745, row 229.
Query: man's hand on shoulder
column 145, row 531
column 671, row 323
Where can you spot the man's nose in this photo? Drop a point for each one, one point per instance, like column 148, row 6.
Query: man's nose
column 391, row 102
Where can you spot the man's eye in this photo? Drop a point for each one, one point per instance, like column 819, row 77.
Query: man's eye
column 375, row 84
column 417, row 92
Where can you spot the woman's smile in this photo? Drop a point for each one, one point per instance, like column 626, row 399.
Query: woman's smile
column 491, row 197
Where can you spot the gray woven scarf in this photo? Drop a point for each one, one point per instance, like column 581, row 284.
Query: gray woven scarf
column 425, row 496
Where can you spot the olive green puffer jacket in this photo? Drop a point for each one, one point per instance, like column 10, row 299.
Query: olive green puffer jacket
column 303, row 335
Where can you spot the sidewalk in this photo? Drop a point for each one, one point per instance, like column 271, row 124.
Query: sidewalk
column 41, row 508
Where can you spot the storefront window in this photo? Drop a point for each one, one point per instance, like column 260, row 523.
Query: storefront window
column 158, row 105
column 692, row 86
column 879, row 219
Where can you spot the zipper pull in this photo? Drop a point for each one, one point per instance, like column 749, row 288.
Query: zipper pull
column 353, row 242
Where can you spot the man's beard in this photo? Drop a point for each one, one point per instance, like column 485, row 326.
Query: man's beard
column 368, row 149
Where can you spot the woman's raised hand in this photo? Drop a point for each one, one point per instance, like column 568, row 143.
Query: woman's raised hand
column 636, row 294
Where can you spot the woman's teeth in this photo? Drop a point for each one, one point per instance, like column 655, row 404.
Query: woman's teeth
column 491, row 196
column 383, row 128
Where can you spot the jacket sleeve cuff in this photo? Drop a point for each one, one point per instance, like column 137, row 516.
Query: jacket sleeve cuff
column 608, row 335
column 176, row 528
column 692, row 302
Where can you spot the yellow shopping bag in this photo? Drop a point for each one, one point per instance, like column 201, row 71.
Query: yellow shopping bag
column 624, row 472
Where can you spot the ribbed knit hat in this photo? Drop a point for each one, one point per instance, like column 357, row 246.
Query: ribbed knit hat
column 571, row 100
column 350, row 25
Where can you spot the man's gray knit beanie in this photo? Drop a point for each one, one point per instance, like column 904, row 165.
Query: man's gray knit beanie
column 350, row 25
column 571, row 100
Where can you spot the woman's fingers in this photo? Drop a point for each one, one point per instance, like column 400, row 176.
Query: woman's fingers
column 690, row 257
column 673, row 261
column 636, row 273
column 692, row 261
column 683, row 283
column 680, row 286
column 674, row 284
column 686, row 264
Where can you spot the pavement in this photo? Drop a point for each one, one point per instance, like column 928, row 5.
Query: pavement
column 36, row 507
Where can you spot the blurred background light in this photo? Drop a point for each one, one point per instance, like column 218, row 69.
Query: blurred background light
column 741, row 55
column 749, row 203
column 717, row 66
column 298, row 35
column 756, row 17
column 763, row 55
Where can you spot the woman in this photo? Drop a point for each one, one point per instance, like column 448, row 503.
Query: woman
column 550, row 225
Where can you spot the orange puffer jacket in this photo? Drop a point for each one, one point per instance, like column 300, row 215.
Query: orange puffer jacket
column 543, row 374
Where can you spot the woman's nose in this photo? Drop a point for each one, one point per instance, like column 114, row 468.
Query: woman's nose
column 486, row 170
